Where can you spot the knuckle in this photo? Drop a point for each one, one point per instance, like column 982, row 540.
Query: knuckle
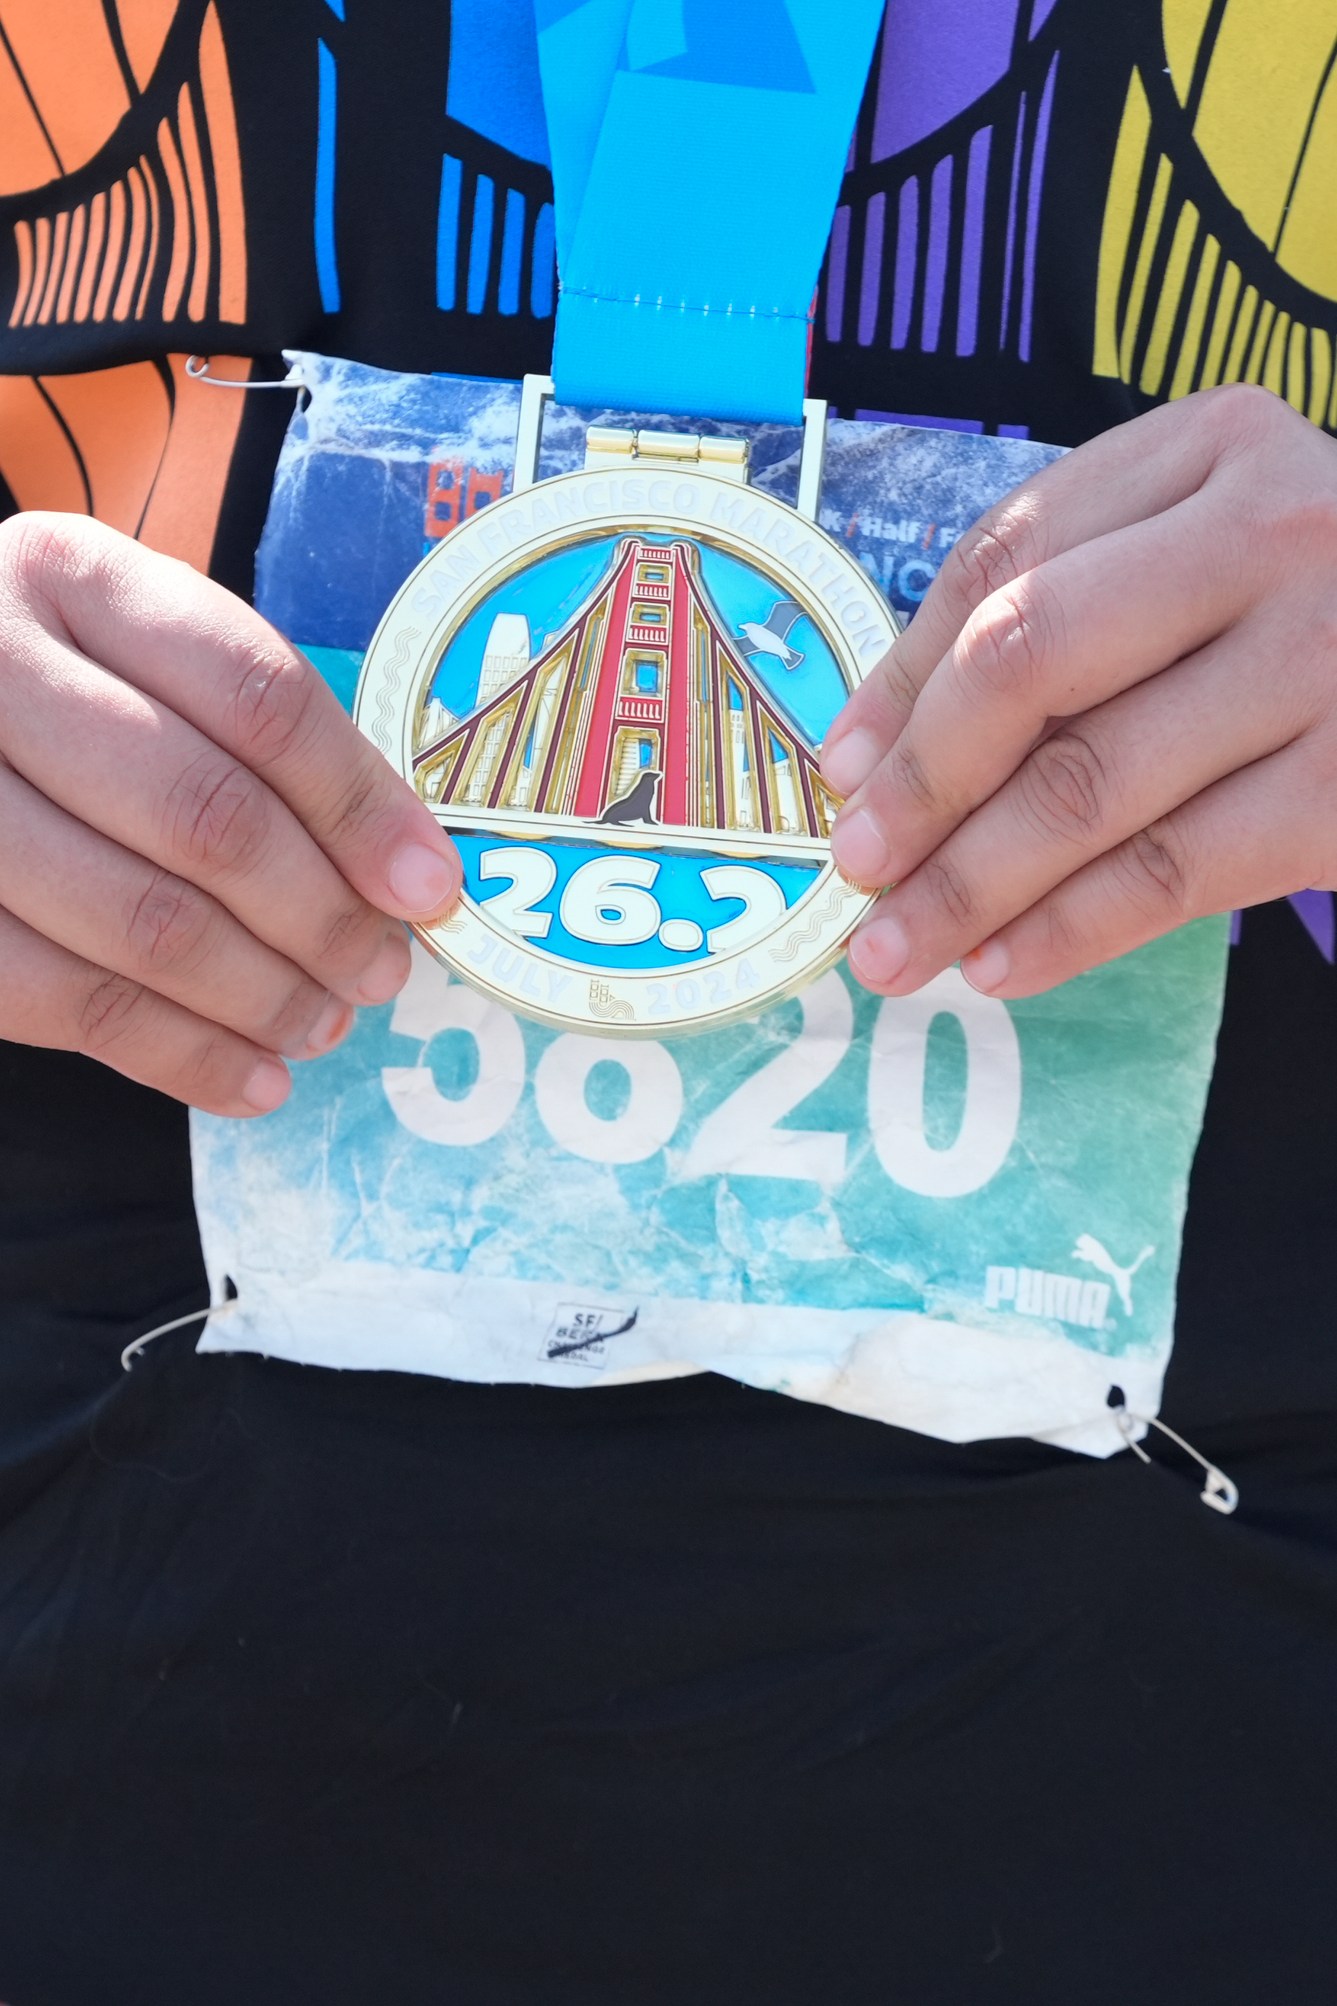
column 169, row 925
column 357, row 816
column 1155, row 870
column 293, row 1016
column 40, row 551
column 351, row 935
column 896, row 687
column 947, row 890
column 1008, row 646
column 272, row 702
column 995, row 552
column 111, row 1014
column 214, row 1071
column 908, row 775
column 1244, row 410
column 217, row 814
column 1064, row 786
column 1064, row 942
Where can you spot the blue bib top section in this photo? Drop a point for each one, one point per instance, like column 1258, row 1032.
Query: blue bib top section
column 697, row 148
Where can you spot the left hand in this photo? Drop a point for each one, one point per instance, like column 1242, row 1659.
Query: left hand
column 1115, row 711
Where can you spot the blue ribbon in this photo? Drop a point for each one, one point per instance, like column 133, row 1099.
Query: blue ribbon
column 697, row 149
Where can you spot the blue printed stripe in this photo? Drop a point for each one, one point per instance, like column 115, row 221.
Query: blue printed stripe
column 480, row 244
column 327, row 257
column 512, row 245
column 448, row 233
column 543, row 269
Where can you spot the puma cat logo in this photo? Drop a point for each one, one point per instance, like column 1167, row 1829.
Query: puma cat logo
column 1089, row 1249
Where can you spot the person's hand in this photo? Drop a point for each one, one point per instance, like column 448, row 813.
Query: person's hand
column 198, row 850
column 1116, row 709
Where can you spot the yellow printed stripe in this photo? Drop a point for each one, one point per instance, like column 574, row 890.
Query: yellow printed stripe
column 1146, row 251
column 1117, row 227
column 1167, row 306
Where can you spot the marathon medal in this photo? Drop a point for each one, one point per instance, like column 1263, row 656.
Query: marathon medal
column 612, row 686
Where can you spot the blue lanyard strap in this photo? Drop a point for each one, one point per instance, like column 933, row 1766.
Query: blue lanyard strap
column 697, row 149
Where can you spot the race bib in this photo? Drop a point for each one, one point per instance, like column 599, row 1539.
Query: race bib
column 950, row 1212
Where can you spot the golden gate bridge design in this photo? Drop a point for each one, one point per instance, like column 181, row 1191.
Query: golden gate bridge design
column 642, row 717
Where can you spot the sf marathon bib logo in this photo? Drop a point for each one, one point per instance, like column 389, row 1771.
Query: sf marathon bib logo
column 613, row 693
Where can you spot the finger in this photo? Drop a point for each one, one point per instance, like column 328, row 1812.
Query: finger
column 128, row 766
column 1057, row 642
column 200, row 650
column 1084, row 791
column 112, row 908
column 1243, row 841
column 1128, row 474
column 53, row 998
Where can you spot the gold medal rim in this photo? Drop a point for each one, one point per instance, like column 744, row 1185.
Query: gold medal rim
column 398, row 715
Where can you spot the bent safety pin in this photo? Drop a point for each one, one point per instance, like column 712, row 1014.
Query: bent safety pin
column 197, row 369
column 1218, row 1491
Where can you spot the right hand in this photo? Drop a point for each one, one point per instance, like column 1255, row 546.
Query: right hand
column 203, row 864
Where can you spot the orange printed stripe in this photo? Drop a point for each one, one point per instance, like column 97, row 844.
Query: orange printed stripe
column 37, row 462
column 125, row 292
column 72, row 262
column 97, row 223
column 23, row 245
column 41, row 265
column 199, row 206
column 151, row 182
column 67, row 58
column 111, row 262
column 144, row 26
column 182, row 515
column 59, row 236
column 222, row 124
column 176, row 185
column 119, row 420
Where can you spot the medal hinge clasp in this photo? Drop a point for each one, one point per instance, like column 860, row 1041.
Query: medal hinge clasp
column 609, row 447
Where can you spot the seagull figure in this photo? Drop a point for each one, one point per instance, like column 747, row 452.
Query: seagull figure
column 771, row 637
column 1089, row 1249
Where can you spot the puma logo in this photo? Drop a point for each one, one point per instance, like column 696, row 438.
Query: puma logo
column 1089, row 1249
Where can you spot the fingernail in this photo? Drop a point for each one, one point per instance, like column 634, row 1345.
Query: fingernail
column 859, row 847
column 333, row 1023
column 850, row 760
column 267, row 1088
column 879, row 952
column 388, row 972
column 422, row 880
column 986, row 967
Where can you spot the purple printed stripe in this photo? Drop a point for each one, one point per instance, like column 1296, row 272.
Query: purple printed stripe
column 870, row 284
column 836, row 270
column 1043, row 10
column 936, row 59
column 1033, row 210
column 972, row 242
column 1010, row 244
column 1315, row 910
column 939, row 231
column 907, row 256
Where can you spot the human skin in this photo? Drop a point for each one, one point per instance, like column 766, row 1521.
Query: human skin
column 1115, row 710
column 203, row 865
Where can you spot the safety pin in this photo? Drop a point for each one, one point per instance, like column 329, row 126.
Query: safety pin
column 228, row 1304
column 197, row 369
column 1218, row 1491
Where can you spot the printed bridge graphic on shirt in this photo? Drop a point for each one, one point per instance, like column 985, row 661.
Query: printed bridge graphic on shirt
column 642, row 714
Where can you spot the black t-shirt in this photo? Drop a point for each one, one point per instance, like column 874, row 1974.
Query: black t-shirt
column 331, row 1687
